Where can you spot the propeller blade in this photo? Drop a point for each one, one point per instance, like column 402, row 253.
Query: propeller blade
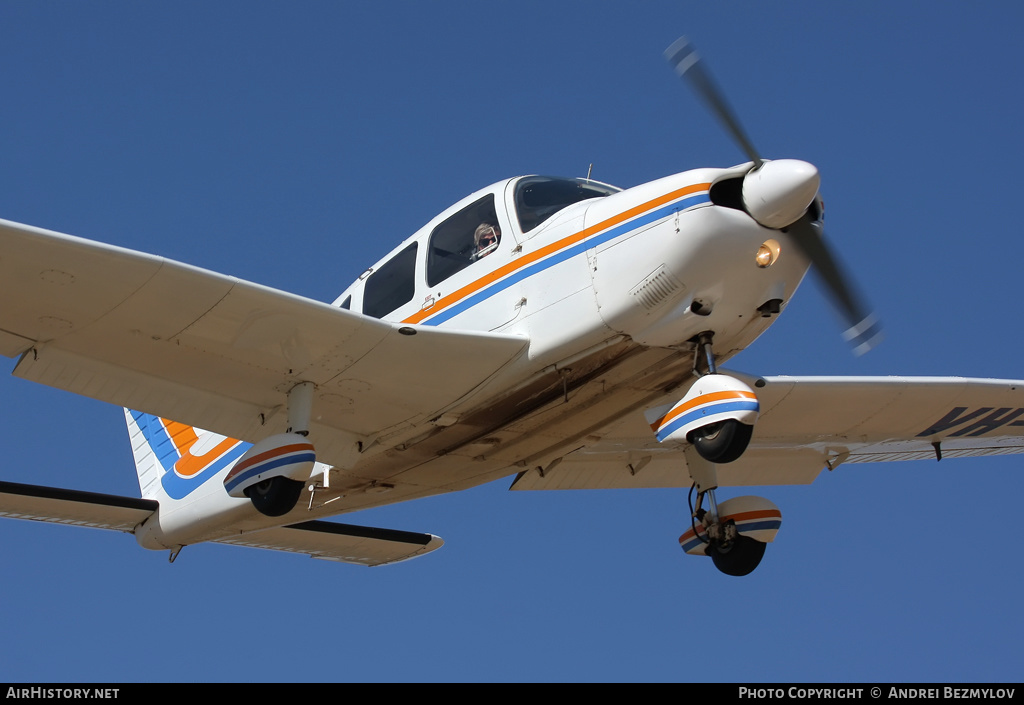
column 772, row 203
column 864, row 330
column 686, row 61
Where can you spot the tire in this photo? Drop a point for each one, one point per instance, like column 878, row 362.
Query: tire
column 721, row 442
column 740, row 558
column 275, row 497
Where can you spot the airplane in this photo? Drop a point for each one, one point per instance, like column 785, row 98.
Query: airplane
column 562, row 331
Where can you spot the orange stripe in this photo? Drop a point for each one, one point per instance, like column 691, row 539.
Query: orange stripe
column 755, row 514
column 189, row 465
column 505, row 270
column 702, row 399
column 182, row 436
column 273, row 452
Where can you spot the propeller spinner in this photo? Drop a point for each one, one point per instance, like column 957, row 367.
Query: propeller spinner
column 777, row 194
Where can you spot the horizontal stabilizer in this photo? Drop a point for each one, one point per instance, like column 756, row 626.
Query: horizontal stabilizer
column 330, row 541
column 98, row 511
column 344, row 543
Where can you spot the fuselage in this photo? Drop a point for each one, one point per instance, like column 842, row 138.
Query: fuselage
column 610, row 287
column 657, row 262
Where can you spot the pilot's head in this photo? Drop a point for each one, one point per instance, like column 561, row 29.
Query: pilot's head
column 485, row 236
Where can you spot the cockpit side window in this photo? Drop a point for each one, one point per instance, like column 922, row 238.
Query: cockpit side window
column 540, row 197
column 391, row 285
column 469, row 235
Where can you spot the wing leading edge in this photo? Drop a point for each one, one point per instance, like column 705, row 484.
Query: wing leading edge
column 808, row 424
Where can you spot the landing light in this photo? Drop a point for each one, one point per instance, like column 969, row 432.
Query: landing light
column 767, row 253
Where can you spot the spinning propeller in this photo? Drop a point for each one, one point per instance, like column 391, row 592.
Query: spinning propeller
column 777, row 194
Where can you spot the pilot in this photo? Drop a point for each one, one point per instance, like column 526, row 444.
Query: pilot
column 485, row 240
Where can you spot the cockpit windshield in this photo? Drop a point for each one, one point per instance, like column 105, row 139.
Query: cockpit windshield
column 540, row 197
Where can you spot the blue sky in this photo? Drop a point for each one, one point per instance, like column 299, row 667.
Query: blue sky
column 293, row 144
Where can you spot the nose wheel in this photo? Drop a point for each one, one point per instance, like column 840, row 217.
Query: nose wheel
column 739, row 557
column 731, row 552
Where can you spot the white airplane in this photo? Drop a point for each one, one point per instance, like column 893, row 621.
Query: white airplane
column 562, row 330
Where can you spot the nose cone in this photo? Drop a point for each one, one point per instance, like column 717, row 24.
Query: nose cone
column 778, row 193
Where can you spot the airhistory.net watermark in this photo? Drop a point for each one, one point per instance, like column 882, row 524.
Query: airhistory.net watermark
column 49, row 693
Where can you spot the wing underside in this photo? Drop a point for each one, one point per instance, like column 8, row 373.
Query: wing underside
column 808, row 424
column 219, row 353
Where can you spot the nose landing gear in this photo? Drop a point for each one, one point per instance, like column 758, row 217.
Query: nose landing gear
column 734, row 533
column 730, row 551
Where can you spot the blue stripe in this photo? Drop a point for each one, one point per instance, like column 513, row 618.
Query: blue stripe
column 178, row 487
column 157, row 439
column 269, row 465
column 174, row 485
column 568, row 253
column 691, row 543
column 769, row 524
column 718, row 408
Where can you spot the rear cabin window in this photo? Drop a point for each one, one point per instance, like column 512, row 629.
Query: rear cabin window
column 468, row 236
column 393, row 284
column 540, row 197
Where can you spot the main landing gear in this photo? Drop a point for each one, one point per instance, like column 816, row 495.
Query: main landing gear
column 724, row 439
column 273, row 473
column 713, row 423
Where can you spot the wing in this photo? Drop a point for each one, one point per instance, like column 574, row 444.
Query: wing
column 319, row 539
column 217, row 352
column 808, row 424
